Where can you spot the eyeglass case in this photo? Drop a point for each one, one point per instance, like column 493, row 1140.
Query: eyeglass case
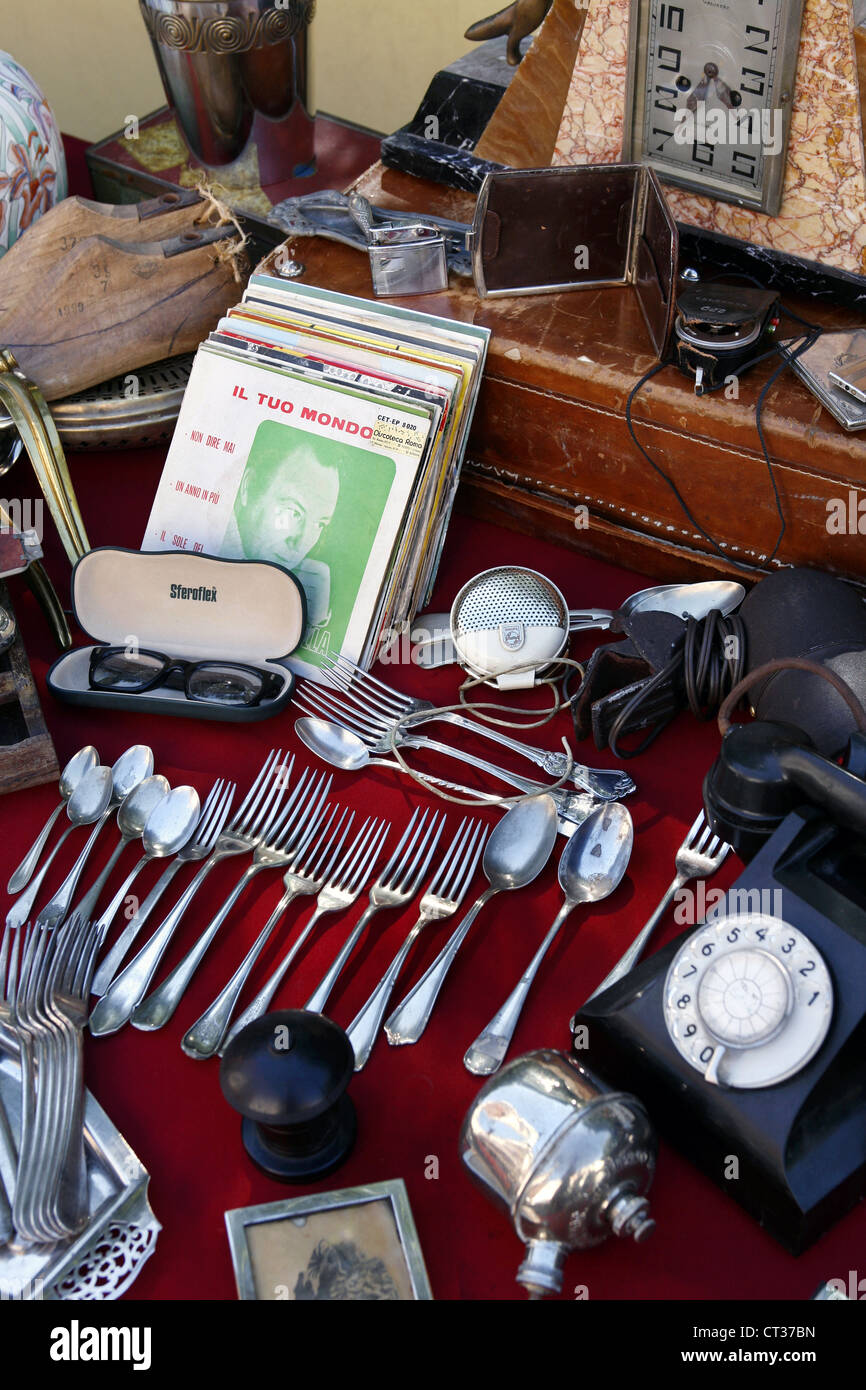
column 191, row 606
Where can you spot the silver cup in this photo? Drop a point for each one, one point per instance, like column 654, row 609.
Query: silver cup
column 235, row 72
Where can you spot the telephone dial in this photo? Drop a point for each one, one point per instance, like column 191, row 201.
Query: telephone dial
column 746, row 1036
column 751, row 996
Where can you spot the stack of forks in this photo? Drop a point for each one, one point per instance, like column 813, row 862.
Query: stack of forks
column 45, row 978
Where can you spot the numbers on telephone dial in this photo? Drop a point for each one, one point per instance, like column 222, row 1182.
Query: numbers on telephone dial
column 748, row 1000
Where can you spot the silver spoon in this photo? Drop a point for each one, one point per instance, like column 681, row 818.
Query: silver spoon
column 131, row 768
column 345, row 750
column 683, row 600
column 132, row 817
column 87, row 804
column 166, row 832
column 591, row 868
column 518, row 849
column 75, row 769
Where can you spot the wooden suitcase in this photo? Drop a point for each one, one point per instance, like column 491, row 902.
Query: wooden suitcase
column 550, row 452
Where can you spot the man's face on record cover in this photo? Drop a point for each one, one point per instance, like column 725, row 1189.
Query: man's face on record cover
column 282, row 510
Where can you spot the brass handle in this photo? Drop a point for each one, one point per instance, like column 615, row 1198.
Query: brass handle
column 31, row 417
column 50, row 604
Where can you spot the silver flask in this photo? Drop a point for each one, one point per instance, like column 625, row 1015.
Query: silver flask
column 569, row 1161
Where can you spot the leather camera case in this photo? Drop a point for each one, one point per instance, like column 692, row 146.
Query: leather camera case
column 586, row 226
column 191, row 606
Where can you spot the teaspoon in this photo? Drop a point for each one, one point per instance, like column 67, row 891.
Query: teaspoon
column 87, row 804
column 347, row 751
column 683, row 600
column 591, row 868
column 132, row 817
column 131, row 768
column 168, row 828
column 77, row 767
column 166, row 832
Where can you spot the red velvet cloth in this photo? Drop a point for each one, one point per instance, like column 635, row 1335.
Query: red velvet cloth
column 410, row 1101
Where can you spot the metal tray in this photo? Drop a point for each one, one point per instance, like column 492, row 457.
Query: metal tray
column 108, row 417
column 104, row 1260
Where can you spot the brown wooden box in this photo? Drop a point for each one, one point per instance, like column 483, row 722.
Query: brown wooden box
column 550, row 434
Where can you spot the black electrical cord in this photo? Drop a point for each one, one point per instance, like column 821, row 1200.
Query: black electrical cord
column 708, row 663
column 809, row 339
column 813, row 332
column 715, row 666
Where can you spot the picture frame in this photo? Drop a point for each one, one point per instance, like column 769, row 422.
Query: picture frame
column 355, row 1244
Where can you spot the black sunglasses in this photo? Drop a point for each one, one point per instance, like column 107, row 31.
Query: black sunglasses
column 134, row 671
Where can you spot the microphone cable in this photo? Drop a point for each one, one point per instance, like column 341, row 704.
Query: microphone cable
column 813, row 332
column 707, row 664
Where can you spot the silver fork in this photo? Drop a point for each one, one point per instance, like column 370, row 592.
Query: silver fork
column 320, row 702
column 700, row 855
column 282, row 830
column 122, row 989
column 304, row 876
column 41, row 1165
column 214, row 815
column 377, row 699
column 8, row 973
column 48, row 1013
column 241, row 835
column 24, row 966
column 343, row 885
column 395, row 887
column 66, row 999
column 441, row 900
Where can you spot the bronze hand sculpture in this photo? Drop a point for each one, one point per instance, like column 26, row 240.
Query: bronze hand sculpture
column 516, row 20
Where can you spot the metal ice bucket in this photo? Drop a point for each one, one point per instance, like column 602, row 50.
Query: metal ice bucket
column 235, row 72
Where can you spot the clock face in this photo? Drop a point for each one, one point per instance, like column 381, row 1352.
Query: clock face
column 748, row 1000
column 710, row 88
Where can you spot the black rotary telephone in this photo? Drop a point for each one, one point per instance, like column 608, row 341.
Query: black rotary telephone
column 745, row 1036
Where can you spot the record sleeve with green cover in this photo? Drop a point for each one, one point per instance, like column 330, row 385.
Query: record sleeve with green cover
column 316, row 478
